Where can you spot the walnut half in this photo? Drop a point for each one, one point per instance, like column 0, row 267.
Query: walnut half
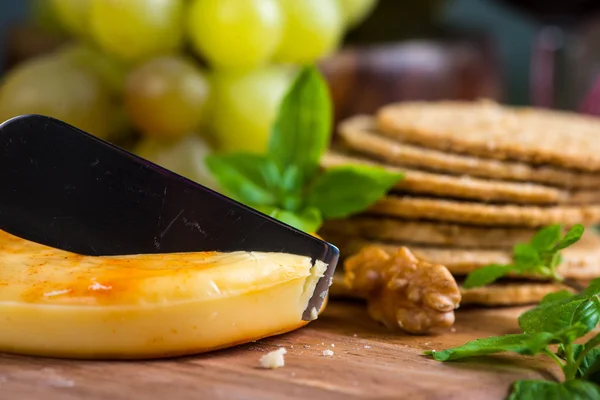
column 402, row 291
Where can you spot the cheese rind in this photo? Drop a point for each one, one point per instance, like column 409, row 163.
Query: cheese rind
column 55, row 303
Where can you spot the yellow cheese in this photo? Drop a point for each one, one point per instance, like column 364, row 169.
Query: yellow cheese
column 56, row 303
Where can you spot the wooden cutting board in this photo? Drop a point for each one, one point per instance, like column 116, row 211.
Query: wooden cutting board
column 369, row 362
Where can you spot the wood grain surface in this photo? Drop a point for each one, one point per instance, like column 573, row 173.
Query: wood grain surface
column 369, row 362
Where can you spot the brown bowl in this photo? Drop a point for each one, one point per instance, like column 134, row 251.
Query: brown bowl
column 364, row 78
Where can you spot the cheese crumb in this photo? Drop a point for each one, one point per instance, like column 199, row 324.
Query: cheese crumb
column 273, row 359
column 367, row 347
column 327, row 353
column 314, row 314
column 332, row 344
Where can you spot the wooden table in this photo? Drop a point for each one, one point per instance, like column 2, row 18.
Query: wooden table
column 369, row 362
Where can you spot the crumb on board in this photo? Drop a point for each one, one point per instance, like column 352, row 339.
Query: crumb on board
column 273, row 359
column 355, row 335
column 452, row 330
column 332, row 344
column 327, row 353
column 367, row 346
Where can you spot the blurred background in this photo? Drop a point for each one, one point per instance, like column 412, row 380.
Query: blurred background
column 173, row 80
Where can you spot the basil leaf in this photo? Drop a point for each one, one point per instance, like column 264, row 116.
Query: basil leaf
column 548, row 390
column 545, row 239
column 302, row 128
column 308, row 220
column 241, row 176
column 525, row 256
column 291, row 181
column 572, row 236
column 486, row 275
column 348, row 189
column 556, row 296
column 516, row 343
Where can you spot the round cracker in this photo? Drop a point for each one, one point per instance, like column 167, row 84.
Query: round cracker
column 427, row 233
column 484, row 214
column 465, row 187
column 487, row 129
column 509, row 294
column 497, row 294
column 359, row 133
column 580, row 261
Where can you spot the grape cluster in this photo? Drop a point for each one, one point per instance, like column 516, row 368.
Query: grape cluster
column 183, row 77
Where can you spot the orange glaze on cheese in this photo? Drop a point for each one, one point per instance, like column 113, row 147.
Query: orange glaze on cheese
column 54, row 276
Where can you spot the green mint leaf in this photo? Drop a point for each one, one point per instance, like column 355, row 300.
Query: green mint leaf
column 342, row 191
column 592, row 289
column 571, row 237
column 556, row 296
column 589, row 368
column 244, row 177
column 587, row 314
column 516, row 343
column 555, row 260
column 545, row 239
column 552, row 316
column 562, row 313
column 525, row 256
column 486, row 275
column 308, row 220
column 302, row 128
column 570, row 334
column 548, row 390
column 593, row 342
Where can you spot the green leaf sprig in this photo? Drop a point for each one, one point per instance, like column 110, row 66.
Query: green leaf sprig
column 560, row 318
column 287, row 183
column 540, row 257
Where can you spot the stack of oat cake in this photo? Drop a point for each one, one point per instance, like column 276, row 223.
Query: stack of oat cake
column 479, row 178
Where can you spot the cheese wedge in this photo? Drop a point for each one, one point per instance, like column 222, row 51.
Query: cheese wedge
column 56, row 303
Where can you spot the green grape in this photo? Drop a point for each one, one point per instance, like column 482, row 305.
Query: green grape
column 244, row 106
column 313, row 29
column 111, row 71
column 356, row 11
column 73, row 15
column 54, row 87
column 184, row 157
column 235, row 34
column 135, row 30
column 166, row 97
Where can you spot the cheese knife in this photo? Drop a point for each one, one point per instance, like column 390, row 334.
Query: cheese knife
column 70, row 190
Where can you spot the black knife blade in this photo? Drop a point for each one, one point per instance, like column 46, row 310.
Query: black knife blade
column 70, row 190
